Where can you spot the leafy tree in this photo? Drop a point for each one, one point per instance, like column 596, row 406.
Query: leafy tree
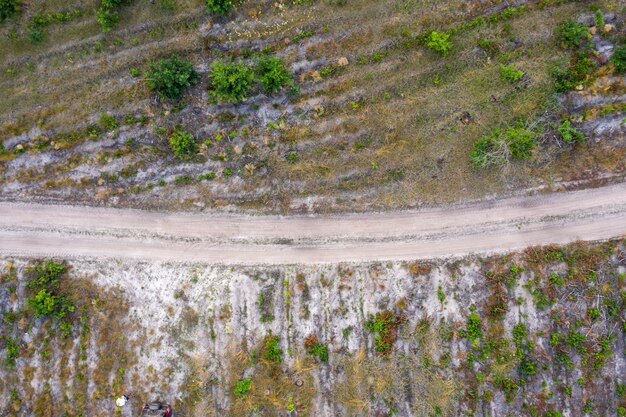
column 570, row 33
column 183, row 144
column 171, row 76
column 8, row 8
column 271, row 73
column 231, row 80
column 502, row 145
column 618, row 59
column 219, row 6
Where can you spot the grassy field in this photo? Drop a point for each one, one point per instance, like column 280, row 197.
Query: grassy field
column 380, row 120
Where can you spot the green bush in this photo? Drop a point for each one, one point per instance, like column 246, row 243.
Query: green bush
column 618, row 59
column 219, row 6
column 231, row 81
column 438, row 41
column 569, row 133
column 8, row 8
column 502, row 145
column 579, row 72
column 35, row 33
column 13, row 352
column 183, row 144
column 509, row 73
column 570, row 33
column 242, row 387
column 171, row 76
column 320, row 350
column 108, row 122
column 271, row 351
column 107, row 18
column 271, row 73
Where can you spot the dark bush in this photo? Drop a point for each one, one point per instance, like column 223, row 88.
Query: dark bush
column 271, row 73
column 571, row 33
column 8, row 8
column 618, row 59
column 231, row 81
column 171, row 76
column 219, row 6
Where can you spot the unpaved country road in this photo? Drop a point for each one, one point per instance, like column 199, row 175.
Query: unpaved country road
column 485, row 227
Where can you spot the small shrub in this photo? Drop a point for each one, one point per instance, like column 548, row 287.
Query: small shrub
column 502, row 145
column 385, row 324
column 219, row 6
column 570, row 33
column 271, row 351
column 107, row 18
column 231, row 81
column 35, row 33
column 242, row 387
column 509, row 73
column 108, row 122
column 618, row 59
column 13, row 352
column 272, row 74
column 8, row 8
column 569, row 133
column 438, row 41
column 171, row 76
column 183, row 144
column 441, row 296
column 292, row 157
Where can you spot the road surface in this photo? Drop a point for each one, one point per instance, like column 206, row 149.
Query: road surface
column 34, row 230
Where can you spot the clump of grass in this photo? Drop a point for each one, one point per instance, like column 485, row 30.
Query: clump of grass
column 315, row 348
column 618, row 59
column 108, row 122
column 171, row 77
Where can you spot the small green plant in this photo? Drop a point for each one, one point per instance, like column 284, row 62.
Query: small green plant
column 171, row 76
column 207, row 176
column 569, row 133
column 593, row 313
column 292, row 157
column 438, row 41
column 315, row 348
column 219, row 6
column 35, row 33
column 13, row 352
column 242, row 387
column 510, row 74
column 618, row 59
column 271, row 73
column 108, row 122
column 231, row 81
column 183, row 144
column 107, row 18
column 502, row 145
column 8, row 8
column 599, row 18
column 441, row 296
column 570, row 33
column 385, row 324
column 271, row 351
column 135, row 72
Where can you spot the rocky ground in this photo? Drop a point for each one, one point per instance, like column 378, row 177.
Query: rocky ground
column 538, row 333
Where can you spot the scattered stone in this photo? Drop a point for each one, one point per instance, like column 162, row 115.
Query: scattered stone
column 593, row 30
column 608, row 28
column 343, row 61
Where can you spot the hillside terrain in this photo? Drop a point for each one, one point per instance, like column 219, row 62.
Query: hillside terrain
column 536, row 333
column 381, row 105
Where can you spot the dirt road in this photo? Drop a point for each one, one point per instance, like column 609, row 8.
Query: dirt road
column 485, row 227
